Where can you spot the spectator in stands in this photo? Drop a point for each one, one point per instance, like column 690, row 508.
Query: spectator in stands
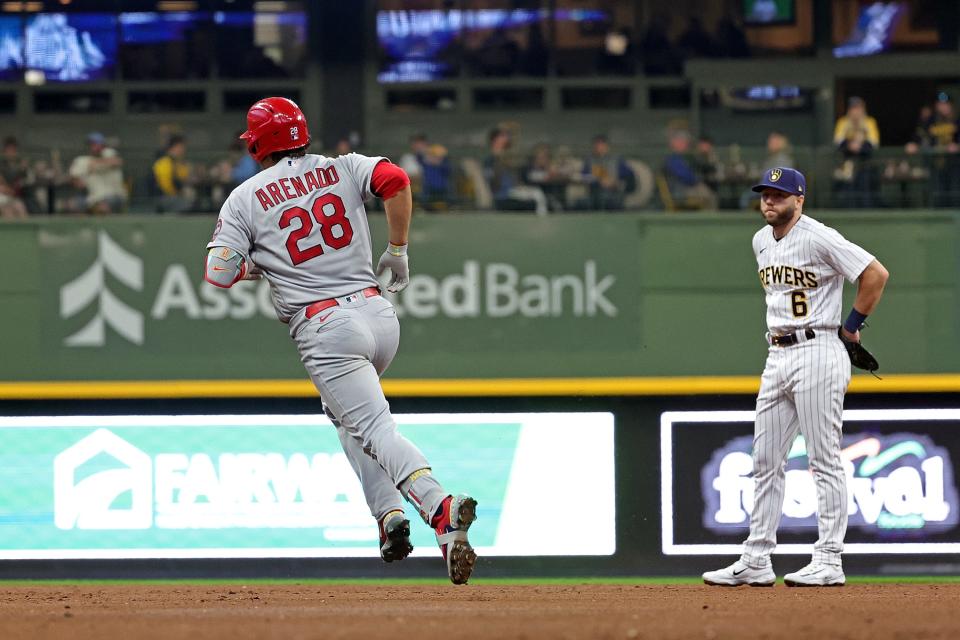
column 243, row 166
column 437, row 184
column 542, row 172
column 17, row 178
column 707, row 162
column 685, row 186
column 231, row 171
column 502, row 176
column 412, row 160
column 171, row 174
column 98, row 176
column 855, row 136
column 609, row 176
column 431, row 174
column 11, row 207
column 939, row 137
column 779, row 152
column 938, row 128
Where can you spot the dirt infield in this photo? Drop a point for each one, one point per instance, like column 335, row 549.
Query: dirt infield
column 293, row 611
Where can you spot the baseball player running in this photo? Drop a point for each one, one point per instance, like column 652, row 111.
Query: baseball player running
column 802, row 264
column 301, row 223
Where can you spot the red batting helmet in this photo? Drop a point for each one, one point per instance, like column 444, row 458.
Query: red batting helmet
column 275, row 124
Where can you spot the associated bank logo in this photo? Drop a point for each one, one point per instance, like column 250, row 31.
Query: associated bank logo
column 898, row 482
column 88, row 503
column 91, row 287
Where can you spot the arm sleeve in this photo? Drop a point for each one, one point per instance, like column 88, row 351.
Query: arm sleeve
column 224, row 268
column 387, row 180
column 360, row 168
column 845, row 257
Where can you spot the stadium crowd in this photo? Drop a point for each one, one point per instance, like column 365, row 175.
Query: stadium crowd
column 691, row 172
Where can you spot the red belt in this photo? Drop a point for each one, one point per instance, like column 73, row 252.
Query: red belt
column 317, row 307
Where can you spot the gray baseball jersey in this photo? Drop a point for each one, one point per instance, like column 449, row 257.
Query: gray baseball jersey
column 803, row 385
column 803, row 274
column 302, row 221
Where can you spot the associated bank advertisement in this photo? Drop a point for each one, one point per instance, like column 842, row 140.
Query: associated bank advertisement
column 900, row 464
column 233, row 486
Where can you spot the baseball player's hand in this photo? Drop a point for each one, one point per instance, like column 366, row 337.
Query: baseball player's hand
column 395, row 259
column 253, row 273
column 852, row 337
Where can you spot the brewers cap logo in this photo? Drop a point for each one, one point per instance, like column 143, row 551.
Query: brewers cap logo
column 775, row 175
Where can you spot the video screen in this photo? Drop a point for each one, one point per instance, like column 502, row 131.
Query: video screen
column 71, row 47
column 769, row 97
column 418, row 46
column 899, row 466
column 426, row 45
column 154, row 28
column 11, row 48
column 764, row 12
column 873, row 31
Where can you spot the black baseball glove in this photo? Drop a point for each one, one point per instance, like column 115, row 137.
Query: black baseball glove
column 859, row 356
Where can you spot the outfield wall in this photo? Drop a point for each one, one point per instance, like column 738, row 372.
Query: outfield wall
column 492, row 297
column 654, row 485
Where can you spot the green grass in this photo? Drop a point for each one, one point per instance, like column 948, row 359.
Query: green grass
column 644, row 580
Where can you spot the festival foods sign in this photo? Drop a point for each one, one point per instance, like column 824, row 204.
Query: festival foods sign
column 901, row 485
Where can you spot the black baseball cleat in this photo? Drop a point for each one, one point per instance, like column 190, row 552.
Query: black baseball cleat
column 394, row 537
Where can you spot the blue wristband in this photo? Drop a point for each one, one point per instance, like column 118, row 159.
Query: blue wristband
column 854, row 321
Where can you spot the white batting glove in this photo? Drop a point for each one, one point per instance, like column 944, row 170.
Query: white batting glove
column 395, row 259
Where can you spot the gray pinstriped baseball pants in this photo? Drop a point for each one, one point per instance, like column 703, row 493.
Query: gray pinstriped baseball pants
column 802, row 388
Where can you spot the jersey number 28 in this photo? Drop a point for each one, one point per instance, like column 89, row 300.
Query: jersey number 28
column 330, row 214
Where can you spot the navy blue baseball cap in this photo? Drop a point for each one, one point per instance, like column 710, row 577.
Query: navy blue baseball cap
column 785, row 179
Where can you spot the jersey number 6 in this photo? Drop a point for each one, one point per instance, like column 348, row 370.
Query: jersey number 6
column 330, row 214
column 800, row 305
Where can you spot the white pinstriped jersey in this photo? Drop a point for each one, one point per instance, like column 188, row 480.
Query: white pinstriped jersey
column 803, row 274
column 302, row 221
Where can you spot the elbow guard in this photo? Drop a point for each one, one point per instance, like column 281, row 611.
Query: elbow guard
column 224, row 267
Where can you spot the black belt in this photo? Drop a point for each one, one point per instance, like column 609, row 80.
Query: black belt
column 791, row 338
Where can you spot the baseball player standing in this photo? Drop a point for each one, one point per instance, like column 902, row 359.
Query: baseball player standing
column 802, row 264
column 301, row 223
